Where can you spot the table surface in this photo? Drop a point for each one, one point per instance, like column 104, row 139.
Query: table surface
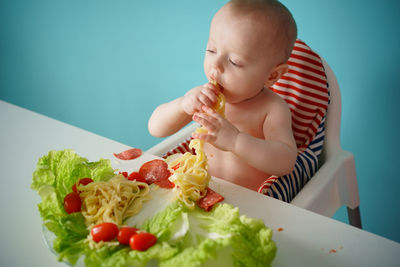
column 303, row 238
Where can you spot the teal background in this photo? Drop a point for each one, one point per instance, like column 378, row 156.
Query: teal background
column 105, row 65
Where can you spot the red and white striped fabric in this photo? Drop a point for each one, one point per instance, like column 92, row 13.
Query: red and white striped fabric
column 182, row 148
column 304, row 87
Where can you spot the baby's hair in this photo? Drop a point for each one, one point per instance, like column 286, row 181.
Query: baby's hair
column 280, row 15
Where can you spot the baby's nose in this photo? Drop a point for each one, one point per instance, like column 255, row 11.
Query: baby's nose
column 216, row 73
column 217, row 66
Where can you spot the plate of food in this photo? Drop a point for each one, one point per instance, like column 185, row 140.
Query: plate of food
column 96, row 215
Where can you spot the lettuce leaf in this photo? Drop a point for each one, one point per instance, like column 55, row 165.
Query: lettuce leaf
column 246, row 241
column 185, row 237
column 53, row 178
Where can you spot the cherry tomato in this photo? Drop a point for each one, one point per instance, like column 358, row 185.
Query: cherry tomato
column 83, row 181
column 125, row 234
column 72, row 203
column 125, row 174
column 136, row 176
column 104, row 232
column 142, row 241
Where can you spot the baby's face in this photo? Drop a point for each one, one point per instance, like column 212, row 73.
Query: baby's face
column 240, row 54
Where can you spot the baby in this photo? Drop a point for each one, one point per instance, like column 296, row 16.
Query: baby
column 249, row 44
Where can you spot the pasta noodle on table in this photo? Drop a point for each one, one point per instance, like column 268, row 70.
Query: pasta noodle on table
column 112, row 201
column 189, row 172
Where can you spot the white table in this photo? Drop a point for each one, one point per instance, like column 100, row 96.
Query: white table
column 305, row 239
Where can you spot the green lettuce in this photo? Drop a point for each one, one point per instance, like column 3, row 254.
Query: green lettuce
column 53, row 178
column 185, row 237
column 247, row 241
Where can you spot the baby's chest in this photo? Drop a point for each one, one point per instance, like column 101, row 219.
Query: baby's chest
column 247, row 120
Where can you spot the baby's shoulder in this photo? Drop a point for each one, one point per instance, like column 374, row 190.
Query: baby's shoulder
column 272, row 101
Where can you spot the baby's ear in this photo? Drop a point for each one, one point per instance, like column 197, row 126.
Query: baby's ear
column 276, row 74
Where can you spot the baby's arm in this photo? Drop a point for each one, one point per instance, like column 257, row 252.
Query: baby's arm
column 168, row 118
column 275, row 155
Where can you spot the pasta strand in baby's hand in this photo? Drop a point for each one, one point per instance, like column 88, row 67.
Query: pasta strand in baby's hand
column 189, row 172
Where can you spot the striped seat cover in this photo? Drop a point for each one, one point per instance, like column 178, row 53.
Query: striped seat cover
column 304, row 87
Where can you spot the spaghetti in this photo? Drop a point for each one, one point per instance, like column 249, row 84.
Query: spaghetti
column 113, row 200
column 189, row 172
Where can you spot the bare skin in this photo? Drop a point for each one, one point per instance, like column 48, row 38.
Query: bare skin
column 254, row 140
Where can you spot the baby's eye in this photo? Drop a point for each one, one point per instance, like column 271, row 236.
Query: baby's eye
column 234, row 63
column 210, row 50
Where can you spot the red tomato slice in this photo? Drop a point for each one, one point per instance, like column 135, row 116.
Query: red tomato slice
column 129, row 154
column 208, row 201
column 136, row 176
column 142, row 241
column 125, row 174
column 72, row 203
column 156, row 171
column 104, row 232
column 83, row 181
column 125, row 234
column 165, row 183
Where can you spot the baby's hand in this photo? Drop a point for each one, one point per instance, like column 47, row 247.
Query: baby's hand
column 205, row 95
column 221, row 133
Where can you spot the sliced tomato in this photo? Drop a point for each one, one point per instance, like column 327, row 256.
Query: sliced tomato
column 72, row 203
column 136, row 176
column 156, row 171
column 208, row 201
column 129, row 154
column 104, row 232
column 142, row 241
column 165, row 184
column 83, row 181
column 125, row 174
column 125, row 234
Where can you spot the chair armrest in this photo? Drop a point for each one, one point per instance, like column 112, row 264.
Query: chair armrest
column 172, row 141
column 332, row 186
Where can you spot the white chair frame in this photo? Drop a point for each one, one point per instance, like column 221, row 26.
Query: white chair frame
column 335, row 182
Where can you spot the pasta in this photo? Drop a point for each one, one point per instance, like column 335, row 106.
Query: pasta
column 113, row 200
column 189, row 172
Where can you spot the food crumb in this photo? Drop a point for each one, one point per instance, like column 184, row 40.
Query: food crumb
column 280, row 229
column 332, row 251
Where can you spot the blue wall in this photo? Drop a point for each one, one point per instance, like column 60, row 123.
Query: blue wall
column 105, row 65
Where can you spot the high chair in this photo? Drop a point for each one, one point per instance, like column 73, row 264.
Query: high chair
column 334, row 181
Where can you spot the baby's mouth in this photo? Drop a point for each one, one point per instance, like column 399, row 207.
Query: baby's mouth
column 217, row 84
column 221, row 88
